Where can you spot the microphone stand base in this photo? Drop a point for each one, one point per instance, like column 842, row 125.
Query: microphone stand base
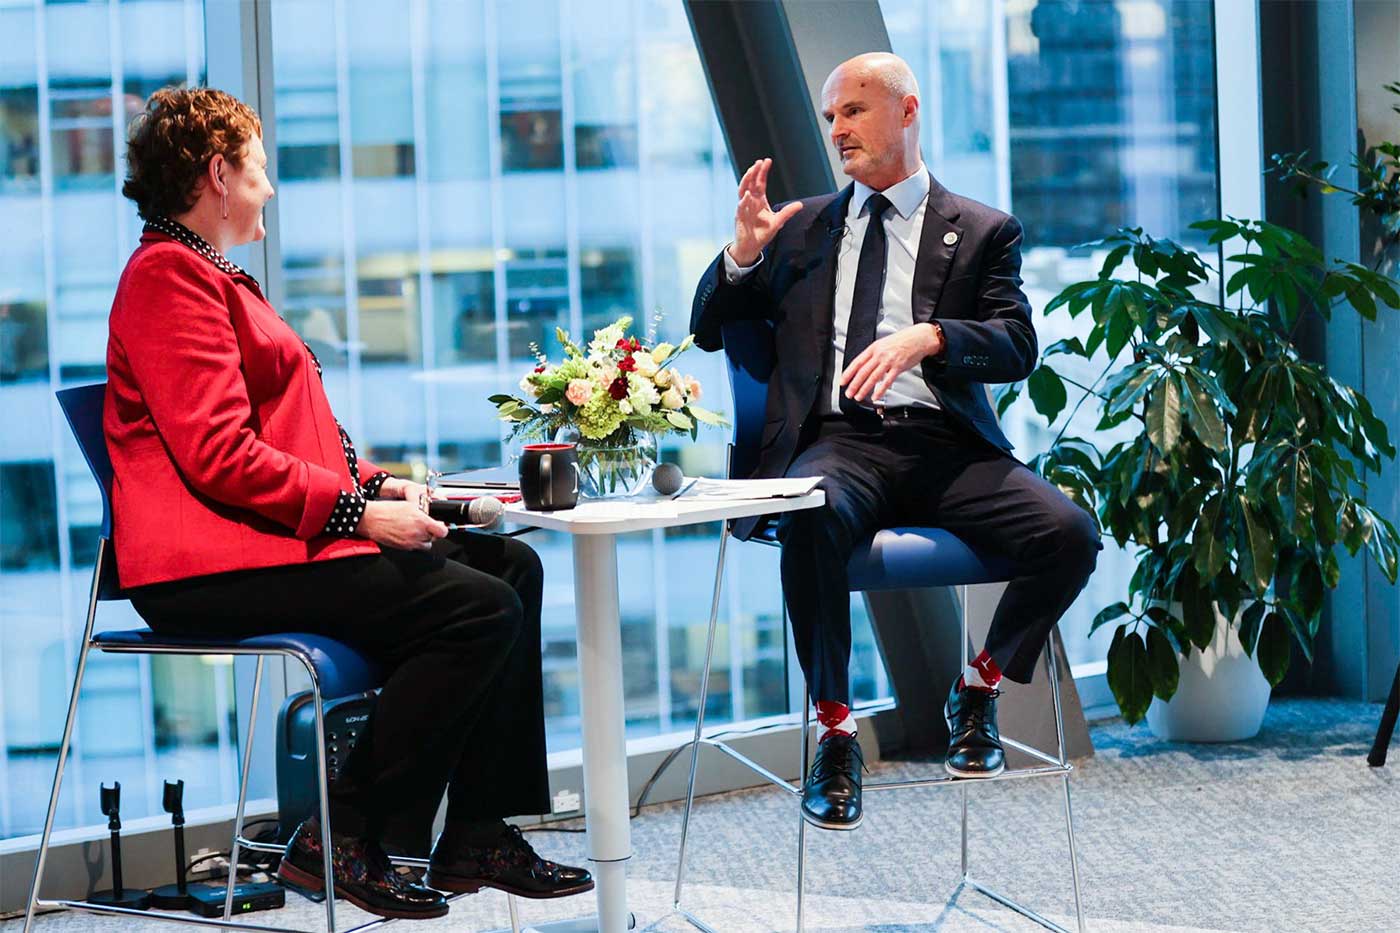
column 131, row 899
column 168, row 896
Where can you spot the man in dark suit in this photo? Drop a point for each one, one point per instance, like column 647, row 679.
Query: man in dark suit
column 893, row 303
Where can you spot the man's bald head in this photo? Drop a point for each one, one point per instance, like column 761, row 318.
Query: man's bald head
column 883, row 68
column 871, row 103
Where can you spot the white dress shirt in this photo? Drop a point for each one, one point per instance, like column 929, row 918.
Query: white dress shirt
column 904, row 225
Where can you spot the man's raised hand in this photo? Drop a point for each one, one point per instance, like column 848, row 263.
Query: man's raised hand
column 755, row 221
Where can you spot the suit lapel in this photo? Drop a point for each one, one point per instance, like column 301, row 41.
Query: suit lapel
column 938, row 244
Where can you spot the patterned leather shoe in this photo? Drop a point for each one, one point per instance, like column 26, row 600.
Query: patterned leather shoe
column 974, row 743
column 831, row 797
column 364, row 876
column 508, row 864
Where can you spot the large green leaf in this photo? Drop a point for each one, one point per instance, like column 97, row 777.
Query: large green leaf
column 1259, row 541
column 1205, row 420
column 1162, row 667
column 1047, row 391
column 1128, row 675
column 1164, row 415
column 1210, row 547
column 1272, row 651
column 1250, row 620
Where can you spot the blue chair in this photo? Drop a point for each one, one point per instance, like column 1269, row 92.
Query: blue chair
column 334, row 669
column 893, row 558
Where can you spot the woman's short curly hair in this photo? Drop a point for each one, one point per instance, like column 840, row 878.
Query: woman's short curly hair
column 170, row 143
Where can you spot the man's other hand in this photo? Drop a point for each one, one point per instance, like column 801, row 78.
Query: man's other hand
column 755, row 222
column 871, row 374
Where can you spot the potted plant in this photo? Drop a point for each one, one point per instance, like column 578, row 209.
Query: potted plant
column 1241, row 476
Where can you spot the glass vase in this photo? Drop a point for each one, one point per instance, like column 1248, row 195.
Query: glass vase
column 609, row 471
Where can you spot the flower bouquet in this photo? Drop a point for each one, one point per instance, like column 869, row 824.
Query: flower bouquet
column 613, row 397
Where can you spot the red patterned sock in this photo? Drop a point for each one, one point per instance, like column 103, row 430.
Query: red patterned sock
column 836, row 717
column 981, row 674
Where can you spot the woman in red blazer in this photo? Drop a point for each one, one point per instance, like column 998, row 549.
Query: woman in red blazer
column 241, row 508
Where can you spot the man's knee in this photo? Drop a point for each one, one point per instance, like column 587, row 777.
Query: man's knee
column 1077, row 537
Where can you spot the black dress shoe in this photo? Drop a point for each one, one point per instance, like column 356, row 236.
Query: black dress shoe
column 507, row 864
column 974, row 744
column 364, row 876
column 831, row 796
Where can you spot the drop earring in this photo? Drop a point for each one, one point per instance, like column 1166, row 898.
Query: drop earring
column 223, row 202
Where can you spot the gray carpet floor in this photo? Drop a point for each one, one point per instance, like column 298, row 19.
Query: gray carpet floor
column 1289, row 832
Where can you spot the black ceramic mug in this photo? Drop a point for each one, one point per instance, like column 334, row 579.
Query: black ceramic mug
column 549, row 476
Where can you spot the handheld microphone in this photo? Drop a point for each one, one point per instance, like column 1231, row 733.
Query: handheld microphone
column 483, row 512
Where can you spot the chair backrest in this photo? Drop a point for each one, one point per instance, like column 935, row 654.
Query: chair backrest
column 750, row 353
column 82, row 406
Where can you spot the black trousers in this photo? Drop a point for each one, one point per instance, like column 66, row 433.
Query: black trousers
column 457, row 631
column 928, row 472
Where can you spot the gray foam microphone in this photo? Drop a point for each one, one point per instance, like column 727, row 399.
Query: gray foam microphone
column 483, row 512
column 667, row 478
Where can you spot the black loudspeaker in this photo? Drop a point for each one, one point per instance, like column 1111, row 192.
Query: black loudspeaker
column 346, row 718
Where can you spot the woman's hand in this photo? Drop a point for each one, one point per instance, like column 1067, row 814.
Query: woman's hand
column 400, row 524
column 408, row 491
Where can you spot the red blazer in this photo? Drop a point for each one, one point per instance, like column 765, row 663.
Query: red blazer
column 224, row 450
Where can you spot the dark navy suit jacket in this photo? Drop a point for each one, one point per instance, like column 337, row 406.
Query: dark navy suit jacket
column 971, row 287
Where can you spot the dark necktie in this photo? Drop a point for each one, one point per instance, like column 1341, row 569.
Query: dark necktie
column 865, row 297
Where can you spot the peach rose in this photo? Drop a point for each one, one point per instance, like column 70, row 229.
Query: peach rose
column 579, row 391
column 692, row 388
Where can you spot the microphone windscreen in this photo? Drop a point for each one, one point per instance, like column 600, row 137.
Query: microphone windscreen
column 667, row 478
column 485, row 511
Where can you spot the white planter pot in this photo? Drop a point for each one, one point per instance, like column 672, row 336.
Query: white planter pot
column 1221, row 697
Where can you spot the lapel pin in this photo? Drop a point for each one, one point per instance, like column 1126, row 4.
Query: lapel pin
column 950, row 238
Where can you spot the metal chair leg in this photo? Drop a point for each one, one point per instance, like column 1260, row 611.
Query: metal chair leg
column 963, row 792
column 323, row 790
column 514, row 914
column 1052, row 667
column 801, row 820
column 700, row 713
column 64, row 744
column 243, row 790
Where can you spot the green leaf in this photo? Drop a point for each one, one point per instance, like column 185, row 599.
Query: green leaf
column 1198, row 615
column 1126, row 387
column 1209, row 546
column 1205, row 420
column 1128, row 675
column 679, row 420
column 705, row 416
column 1047, row 391
column 501, row 399
column 1250, row 620
column 1006, row 396
column 1164, row 415
column 1070, row 345
column 1106, row 615
column 1272, row 651
column 1162, row 667
column 1261, row 550
column 1111, row 261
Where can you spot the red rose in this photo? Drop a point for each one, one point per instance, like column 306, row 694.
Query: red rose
column 627, row 364
column 636, row 344
column 618, row 389
column 540, row 368
column 622, row 343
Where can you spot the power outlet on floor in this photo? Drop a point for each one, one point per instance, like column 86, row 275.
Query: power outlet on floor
column 566, row 801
